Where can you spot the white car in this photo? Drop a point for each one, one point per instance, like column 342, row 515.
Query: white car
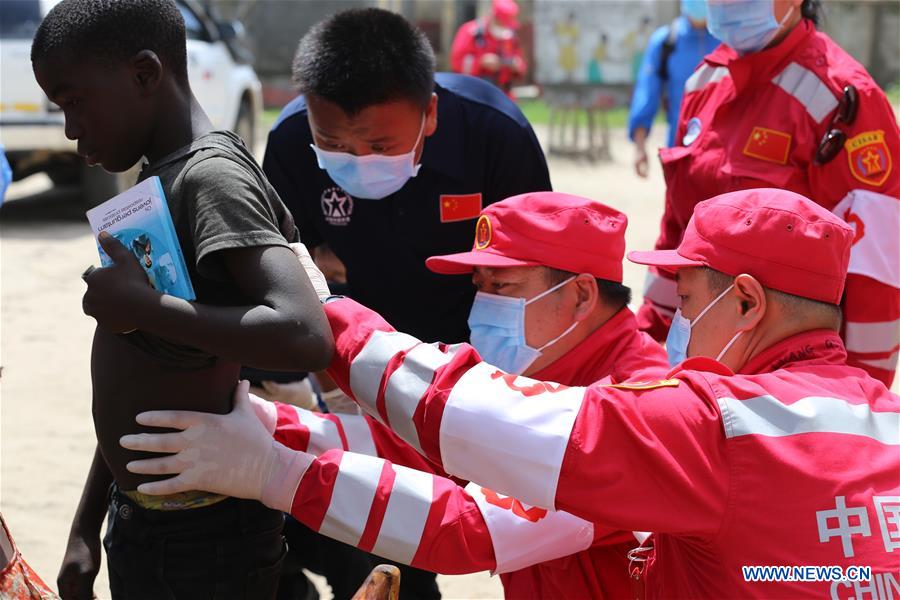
column 31, row 127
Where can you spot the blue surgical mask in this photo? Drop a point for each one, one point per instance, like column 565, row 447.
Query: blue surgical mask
column 680, row 334
column 373, row 176
column 498, row 330
column 745, row 25
column 695, row 10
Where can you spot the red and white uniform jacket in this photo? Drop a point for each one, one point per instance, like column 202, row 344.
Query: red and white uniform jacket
column 794, row 461
column 409, row 510
column 757, row 121
column 474, row 40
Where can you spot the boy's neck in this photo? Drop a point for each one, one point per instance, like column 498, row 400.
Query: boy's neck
column 180, row 121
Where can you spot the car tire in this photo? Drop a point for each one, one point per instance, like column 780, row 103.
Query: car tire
column 245, row 123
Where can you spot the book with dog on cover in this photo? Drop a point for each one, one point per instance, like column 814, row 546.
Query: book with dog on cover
column 139, row 218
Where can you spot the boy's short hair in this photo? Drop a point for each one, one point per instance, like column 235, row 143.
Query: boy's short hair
column 361, row 57
column 114, row 30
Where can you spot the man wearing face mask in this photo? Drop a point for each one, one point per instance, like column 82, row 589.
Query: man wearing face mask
column 551, row 305
column 488, row 47
column 379, row 157
column 779, row 104
column 776, row 454
column 672, row 54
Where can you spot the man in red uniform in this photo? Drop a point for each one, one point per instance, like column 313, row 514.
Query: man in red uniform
column 550, row 304
column 775, row 454
column 488, row 47
column 758, row 117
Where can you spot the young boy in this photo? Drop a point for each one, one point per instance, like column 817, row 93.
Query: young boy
column 118, row 70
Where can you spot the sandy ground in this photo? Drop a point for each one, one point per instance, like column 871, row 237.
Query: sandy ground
column 46, row 433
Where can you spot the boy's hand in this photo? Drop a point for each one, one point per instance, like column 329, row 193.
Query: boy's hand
column 80, row 566
column 231, row 454
column 115, row 293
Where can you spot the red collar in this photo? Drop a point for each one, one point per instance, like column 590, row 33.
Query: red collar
column 819, row 346
column 591, row 359
column 759, row 64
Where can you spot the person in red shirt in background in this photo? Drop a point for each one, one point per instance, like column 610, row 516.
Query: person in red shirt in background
column 488, row 48
column 779, row 104
column 550, row 305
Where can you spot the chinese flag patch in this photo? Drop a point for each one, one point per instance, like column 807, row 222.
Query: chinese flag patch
column 870, row 160
column 459, row 207
column 769, row 145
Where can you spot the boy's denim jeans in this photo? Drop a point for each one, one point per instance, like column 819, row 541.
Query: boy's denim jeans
column 230, row 550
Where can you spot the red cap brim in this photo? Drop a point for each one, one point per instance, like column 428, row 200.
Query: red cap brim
column 465, row 262
column 668, row 260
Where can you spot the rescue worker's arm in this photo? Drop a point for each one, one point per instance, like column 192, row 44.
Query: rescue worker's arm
column 316, row 433
column 427, row 521
column 539, row 441
column 864, row 182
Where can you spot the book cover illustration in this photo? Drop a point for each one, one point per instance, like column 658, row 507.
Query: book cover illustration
column 139, row 218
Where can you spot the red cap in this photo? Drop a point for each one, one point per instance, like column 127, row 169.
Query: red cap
column 547, row 229
column 784, row 240
column 505, row 12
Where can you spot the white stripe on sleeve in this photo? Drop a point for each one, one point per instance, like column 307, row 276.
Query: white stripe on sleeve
column 493, row 433
column 868, row 338
column 405, row 515
column 768, row 416
column 406, row 387
column 367, row 368
column 358, row 434
column 323, row 434
column 806, row 87
column 520, row 542
column 351, row 500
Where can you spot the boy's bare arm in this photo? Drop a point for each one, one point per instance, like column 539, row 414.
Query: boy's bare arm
column 282, row 327
column 81, row 562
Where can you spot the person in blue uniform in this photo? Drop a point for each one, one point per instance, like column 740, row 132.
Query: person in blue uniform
column 672, row 54
column 388, row 163
column 384, row 163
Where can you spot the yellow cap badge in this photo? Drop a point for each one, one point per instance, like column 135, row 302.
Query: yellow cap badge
column 482, row 232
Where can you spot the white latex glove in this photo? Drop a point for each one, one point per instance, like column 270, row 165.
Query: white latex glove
column 231, row 454
column 338, row 402
column 299, row 393
column 312, row 271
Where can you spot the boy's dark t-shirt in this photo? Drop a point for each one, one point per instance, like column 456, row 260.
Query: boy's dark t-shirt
column 219, row 199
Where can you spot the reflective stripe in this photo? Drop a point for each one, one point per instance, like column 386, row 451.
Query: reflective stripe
column 351, row 498
column 887, row 364
column 405, row 515
column 703, row 77
column 492, row 432
column 872, row 338
column 323, row 434
column 367, row 368
column 660, row 290
column 406, row 387
column 519, row 542
column 358, row 434
column 808, row 89
column 766, row 415
column 876, row 246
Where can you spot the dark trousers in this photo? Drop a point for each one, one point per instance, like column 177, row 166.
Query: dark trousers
column 230, row 550
column 344, row 566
